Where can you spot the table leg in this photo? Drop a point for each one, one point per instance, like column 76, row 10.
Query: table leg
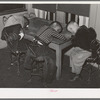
column 58, row 62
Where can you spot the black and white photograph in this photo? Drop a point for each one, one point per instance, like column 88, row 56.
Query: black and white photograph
column 49, row 50
column 49, row 45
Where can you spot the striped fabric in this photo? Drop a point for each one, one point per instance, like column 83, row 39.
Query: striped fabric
column 46, row 33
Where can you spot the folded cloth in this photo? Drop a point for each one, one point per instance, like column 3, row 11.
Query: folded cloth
column 13, row 20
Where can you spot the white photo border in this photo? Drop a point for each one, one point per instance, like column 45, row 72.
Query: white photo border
column 38, row 93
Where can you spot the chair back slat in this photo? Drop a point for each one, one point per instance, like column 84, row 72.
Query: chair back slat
column 10, row 34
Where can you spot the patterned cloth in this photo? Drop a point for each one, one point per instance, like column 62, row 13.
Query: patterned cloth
column 46, row 34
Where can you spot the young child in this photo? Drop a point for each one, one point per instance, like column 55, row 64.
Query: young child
column 81, row 46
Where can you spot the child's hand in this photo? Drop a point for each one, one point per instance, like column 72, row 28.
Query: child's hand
column 21, row 35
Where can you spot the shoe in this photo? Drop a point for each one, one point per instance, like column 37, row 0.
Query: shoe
column 74, row 79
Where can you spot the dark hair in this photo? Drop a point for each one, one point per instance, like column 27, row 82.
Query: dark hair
column 58, row 23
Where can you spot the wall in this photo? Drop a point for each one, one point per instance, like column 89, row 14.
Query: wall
column 97, row 27
column 29, row 8
column 60, row 16
column 95, row 18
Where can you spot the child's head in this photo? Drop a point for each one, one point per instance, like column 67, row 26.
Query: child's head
column 56, row 26
column 72, row 27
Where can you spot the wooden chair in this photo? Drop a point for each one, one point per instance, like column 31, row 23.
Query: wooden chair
column 92, row 60
column 16, row 47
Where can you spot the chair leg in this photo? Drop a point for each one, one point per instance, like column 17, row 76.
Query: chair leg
column 19, row 54
column 16, row 55
column 99, row 69
column 90, row 73
column 89, row 70
column 11, row 61
column 18, row 63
